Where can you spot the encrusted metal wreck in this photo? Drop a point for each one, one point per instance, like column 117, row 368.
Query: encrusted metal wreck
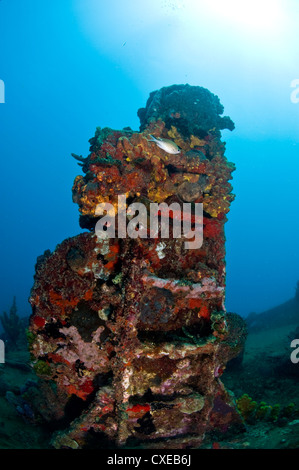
column 130, row 336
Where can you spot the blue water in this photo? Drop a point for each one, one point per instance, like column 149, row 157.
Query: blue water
column 69, row 66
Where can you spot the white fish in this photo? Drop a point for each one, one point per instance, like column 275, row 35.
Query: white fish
column 167, row 145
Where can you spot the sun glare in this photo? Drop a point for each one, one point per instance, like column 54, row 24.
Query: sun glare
column 265, row 16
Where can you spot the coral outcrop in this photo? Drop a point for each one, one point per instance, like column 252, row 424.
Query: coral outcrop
column 131, row 334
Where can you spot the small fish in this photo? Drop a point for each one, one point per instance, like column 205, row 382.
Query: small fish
column 167, row 145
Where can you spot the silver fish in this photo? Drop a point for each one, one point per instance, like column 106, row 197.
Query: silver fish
column 167, row 145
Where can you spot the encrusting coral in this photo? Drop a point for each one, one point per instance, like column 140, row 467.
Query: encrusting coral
column 252, row 411
column 133, row 332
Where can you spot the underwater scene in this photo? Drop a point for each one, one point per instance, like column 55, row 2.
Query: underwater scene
column 149, row 243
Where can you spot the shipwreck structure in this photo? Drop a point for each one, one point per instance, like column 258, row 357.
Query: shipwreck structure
column 130, row 336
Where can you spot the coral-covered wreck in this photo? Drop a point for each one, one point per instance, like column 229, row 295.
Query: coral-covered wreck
column 130, row 336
